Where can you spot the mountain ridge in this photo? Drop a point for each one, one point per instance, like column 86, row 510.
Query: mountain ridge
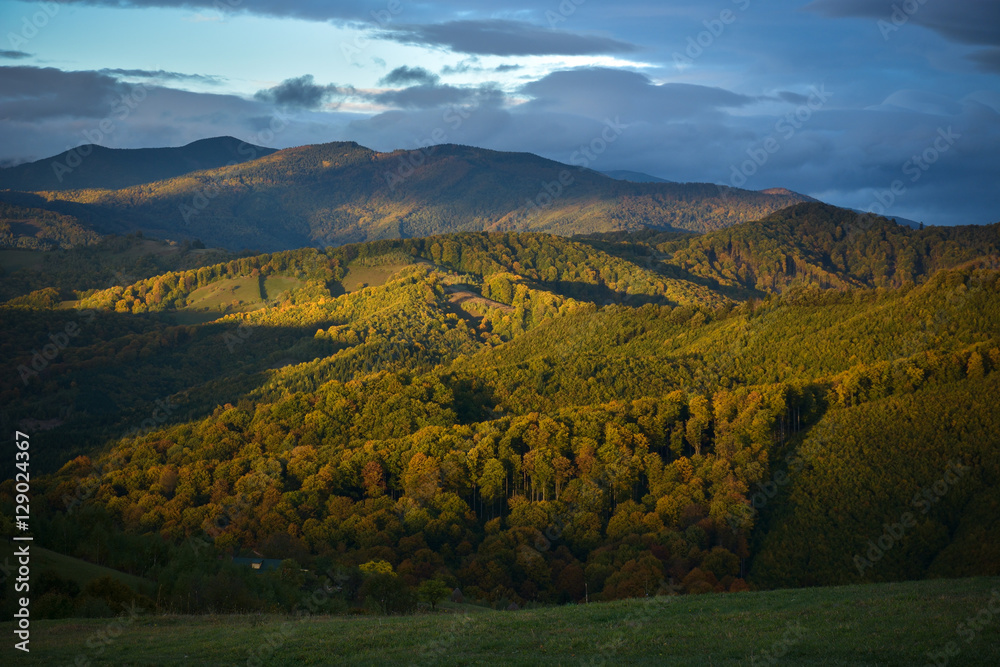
column 95, row 166
column 341, row 192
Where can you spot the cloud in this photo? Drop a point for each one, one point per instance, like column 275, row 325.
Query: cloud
column 683, row 132
column 35, row 92
column 499, row 37
column 987, row 60
column 506, row 68
column 14, row 55
column 972, row 22
column 300, row 92
column 433, row 96
column 161, row 75
column 601, row 92
column 404, row 75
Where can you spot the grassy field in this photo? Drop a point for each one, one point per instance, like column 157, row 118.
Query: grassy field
column 277, row 287
column 233, row 295
column 883, row 624
column 361, row 275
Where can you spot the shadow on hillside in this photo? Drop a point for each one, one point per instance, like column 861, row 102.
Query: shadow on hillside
column 654, row 262
column 122, row 372
column 601, row 294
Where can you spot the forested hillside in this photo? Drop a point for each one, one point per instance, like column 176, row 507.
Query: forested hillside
column 341, row 193
column 531, row 418
column 92, row 166
column 818, row 245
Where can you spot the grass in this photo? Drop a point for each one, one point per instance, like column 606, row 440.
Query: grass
column 83, row 572
column 360, row 275
column 880, row 624
column 233, row 295
column 276, row 287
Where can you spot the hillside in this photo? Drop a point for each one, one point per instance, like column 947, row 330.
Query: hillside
column 92, row 166
column 818, row 245
column 854, row 625
column 37, row 229
column 532, row 418
column 337, row 193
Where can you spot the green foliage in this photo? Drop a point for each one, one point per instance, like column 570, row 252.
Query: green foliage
column 433, row 591
column 531, row 418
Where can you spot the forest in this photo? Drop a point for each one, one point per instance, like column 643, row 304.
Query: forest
column 529, row 418
column 338, row 193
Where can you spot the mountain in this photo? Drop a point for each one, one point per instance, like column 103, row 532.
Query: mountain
column 906, row 222
column 787, row 193
column 815, row 244
column 337, row 193
column 591, row 414
column 634, row 176
column 97, row 167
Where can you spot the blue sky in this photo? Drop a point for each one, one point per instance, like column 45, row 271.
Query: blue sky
column 844, row 100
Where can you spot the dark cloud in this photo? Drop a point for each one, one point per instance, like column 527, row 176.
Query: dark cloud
column 498, row 37
column 506, row 68
column 793, row 98
column 470, row 64
column 599, row 92
column 434, row 96
column 301, row 92
column 14, row 55
column 35, row 92
column 404, row 75
column 161, row 75
column 988, row 60
column 973, row 22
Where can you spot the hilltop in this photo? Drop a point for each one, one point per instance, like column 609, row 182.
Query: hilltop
column 93, row 166
column 331, row 194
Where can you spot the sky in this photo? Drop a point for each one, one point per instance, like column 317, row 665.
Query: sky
column 891, row 106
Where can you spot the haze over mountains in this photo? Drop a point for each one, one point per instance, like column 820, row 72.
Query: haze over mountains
column 336, row 193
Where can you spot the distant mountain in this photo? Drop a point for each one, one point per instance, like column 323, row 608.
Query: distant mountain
column 97, row 167
column 815, row 244
column 336, row 193
column 905, row 222
column 787, row 193
column 634, row 176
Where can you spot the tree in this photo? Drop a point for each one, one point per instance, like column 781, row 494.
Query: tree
column 422, row 478
column 433, row 591
column 387, row 593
